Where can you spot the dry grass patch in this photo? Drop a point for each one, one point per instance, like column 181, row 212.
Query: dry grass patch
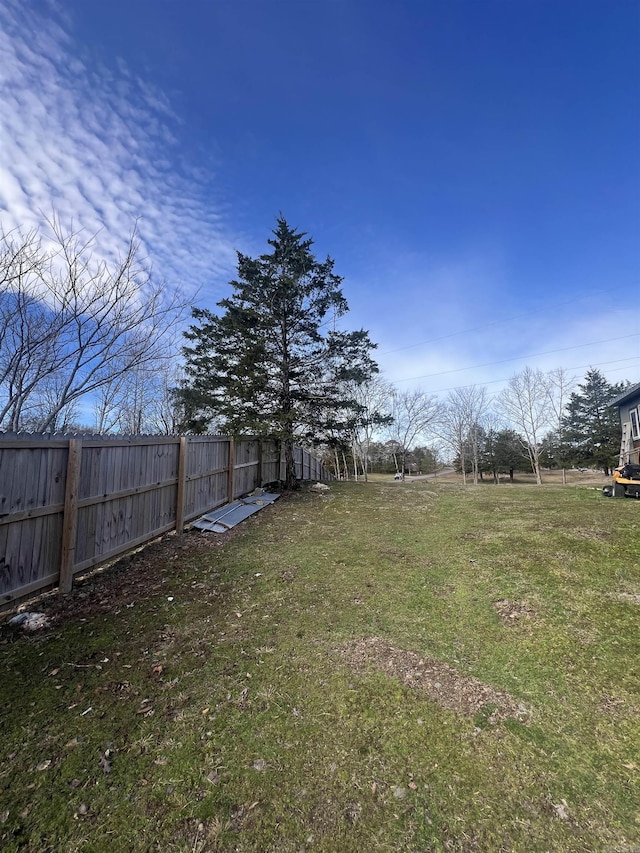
column 511, row 612
column 631, row 597
column 441, row 682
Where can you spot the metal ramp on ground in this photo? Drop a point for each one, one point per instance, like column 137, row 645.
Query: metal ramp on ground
column 225, row 517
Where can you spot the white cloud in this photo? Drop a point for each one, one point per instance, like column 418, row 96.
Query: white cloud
column 450, row 324
column 491, row 355
column 100, row 147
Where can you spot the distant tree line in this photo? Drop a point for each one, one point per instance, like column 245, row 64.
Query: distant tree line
column 538, row 421
column 273, row 361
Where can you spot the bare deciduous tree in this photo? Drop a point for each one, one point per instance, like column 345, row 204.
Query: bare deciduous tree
column 141, row 401
column 561, row 384
column 374, row 398
column 414, row 415
column 72, row 323
column 525, row 402
column 461, row 425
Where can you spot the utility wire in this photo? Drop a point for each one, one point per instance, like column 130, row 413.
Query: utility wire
column 500, row 322
column 578, row 367
column 516, row 358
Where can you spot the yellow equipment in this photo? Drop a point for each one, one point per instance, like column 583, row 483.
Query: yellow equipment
column 626, row 482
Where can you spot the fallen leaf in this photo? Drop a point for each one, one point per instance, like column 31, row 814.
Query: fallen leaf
column 630, row 766
column 413, row 786
column 44, row 765
column 259, row 764
column 374, row 788
column 105, row 765
column 160, row 761
column 55, row 671
column 204, row 711
column 157, row 669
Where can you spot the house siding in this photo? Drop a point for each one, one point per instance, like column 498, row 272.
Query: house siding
column 630, row 421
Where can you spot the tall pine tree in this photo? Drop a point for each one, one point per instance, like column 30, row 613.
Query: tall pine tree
column 267, row 364
column 591, row 427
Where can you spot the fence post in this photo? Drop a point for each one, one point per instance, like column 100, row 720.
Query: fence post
column 231, row 469
column 259, row 469
column 182, row 476
column 70, row 516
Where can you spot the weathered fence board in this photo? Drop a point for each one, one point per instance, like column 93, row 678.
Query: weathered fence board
column 68, row 504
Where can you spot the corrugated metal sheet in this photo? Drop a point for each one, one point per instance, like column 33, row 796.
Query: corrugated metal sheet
column 226, row 517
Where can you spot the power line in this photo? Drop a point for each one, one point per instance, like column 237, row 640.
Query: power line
column 517, row 358
column 545, row 307
column 578, row 367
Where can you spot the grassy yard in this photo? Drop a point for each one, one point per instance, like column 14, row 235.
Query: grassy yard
column 390, row 667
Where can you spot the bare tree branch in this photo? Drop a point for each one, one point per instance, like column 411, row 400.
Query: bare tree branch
column 73, row 323
column 525, row 402
column 415, row 413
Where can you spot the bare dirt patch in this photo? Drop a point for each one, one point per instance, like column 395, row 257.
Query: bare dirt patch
column 513, row 611
column 594, row 533
column 441, row 682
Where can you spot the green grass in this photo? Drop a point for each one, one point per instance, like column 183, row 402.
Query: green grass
column 231, row 720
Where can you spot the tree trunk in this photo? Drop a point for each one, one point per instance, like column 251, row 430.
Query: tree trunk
column 291, row 481
column 345, row 466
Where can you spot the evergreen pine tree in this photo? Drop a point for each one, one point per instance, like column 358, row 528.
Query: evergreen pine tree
column 267, row 364
column 591, row 426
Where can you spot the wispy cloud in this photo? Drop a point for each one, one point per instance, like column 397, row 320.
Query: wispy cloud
column 99, row 146
column 463, row 322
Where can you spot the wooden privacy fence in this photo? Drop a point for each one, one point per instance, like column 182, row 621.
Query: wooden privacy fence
column 68, row 504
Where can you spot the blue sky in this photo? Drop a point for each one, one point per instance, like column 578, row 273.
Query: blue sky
column 472, row 166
